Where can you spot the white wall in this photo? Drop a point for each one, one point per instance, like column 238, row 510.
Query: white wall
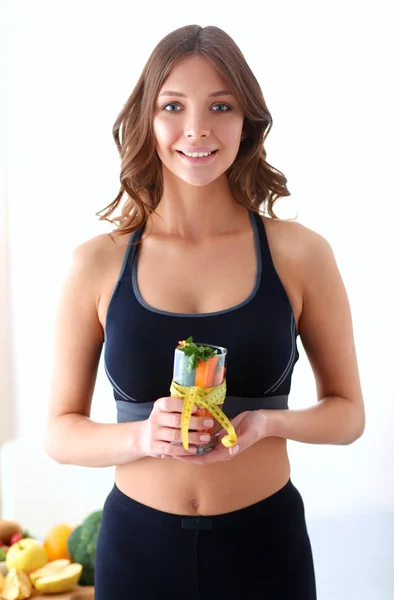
column 323, row 70
column 6, row 375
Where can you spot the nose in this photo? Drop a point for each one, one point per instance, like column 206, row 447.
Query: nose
column 196, row 126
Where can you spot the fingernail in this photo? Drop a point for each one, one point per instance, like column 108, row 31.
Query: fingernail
column 208, row 423
column 205, row 438
column 234, row 450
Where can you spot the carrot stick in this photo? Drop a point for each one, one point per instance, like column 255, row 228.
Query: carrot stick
column 218, row 376
column 205, row 371
column 210, row 371
column 204, row 376
column 200, row 370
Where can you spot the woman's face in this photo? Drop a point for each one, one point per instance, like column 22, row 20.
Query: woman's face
column 195, row 111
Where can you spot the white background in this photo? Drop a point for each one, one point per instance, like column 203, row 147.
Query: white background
column 326, row 75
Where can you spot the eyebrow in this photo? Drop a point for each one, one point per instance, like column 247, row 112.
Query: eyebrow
column 180, row 95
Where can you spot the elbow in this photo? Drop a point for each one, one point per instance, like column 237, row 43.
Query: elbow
column 56, row 456
column 359, row 421
column 51, row 447
column 355, row 435
column 356, row 427
column 49, row 450
column 359, row 430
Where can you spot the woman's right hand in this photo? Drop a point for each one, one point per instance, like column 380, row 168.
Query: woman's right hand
column 161, row 433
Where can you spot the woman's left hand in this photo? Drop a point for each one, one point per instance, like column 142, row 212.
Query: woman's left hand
column 250, row 427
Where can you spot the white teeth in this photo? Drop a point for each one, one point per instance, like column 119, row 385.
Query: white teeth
column 197, row 154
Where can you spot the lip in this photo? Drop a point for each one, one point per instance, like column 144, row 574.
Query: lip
column 198, row 161
column 197, row 149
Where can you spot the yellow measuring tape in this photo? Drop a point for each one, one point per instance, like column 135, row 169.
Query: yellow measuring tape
column 208, row 398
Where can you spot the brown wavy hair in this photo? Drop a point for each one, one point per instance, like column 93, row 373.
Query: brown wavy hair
column 254, row 183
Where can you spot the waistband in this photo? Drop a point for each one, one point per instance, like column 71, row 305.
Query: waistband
column 282, row 501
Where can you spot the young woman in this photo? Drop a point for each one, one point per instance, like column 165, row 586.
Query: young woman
column 193, row 255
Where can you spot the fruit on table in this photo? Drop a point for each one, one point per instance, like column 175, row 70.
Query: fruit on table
column 82, row 544
column 15, row 538
column 3, row 567
column 17, row 586
column 54, row 566
column 27, row 555
column 7, row 529
column 3, row 553
column 55, row 541
column 2, row 581
column 58, row 576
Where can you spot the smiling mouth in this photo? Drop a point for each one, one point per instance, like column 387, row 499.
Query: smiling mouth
column 210, row 154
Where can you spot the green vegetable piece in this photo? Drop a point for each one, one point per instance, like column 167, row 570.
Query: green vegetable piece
column 82, row 543
column 195, row 353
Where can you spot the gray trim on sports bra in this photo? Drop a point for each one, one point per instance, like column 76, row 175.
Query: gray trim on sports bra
column 134, row 258
column 233, row 406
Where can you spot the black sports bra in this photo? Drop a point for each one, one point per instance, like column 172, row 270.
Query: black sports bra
column 259, row 333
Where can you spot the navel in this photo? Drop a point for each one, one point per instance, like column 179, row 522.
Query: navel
column 195, row 503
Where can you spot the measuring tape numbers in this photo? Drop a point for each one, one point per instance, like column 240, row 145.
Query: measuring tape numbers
column 208, row 398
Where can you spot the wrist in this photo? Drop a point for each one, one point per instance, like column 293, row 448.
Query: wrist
column 273, row 423
column 138, row 448
column 133, row 441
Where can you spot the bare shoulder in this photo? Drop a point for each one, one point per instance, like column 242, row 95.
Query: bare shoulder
column 100, row 246
column 95, row 257
column 95, row 266
column 284, row 232
column 297, row 247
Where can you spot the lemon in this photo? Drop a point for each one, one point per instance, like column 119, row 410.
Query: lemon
column 55, row 578
column 26, row 555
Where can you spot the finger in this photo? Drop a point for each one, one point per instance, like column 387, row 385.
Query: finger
column 198, row 423
column 166, row 434
column 172, row 450
column 167, row 419
column 170, row 404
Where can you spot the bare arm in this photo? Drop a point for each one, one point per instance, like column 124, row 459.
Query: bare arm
column 71, row 437
column 326, row 332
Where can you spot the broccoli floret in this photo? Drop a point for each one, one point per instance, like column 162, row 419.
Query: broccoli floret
column 87, row 576
column 82, row 543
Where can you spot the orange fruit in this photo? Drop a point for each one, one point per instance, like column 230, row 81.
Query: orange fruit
column 55, row 541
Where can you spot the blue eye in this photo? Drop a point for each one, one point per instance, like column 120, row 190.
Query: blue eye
column 172, row 104
column 228, row 108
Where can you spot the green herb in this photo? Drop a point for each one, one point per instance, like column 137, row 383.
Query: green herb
column 195, row 353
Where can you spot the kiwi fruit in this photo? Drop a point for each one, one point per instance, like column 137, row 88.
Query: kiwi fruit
column 8, row 529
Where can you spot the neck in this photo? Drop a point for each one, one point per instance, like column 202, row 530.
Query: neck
column 197, row 212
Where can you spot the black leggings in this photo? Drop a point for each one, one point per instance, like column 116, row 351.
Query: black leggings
column 258, row 552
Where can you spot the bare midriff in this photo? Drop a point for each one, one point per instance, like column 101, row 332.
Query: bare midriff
column 173, row 486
